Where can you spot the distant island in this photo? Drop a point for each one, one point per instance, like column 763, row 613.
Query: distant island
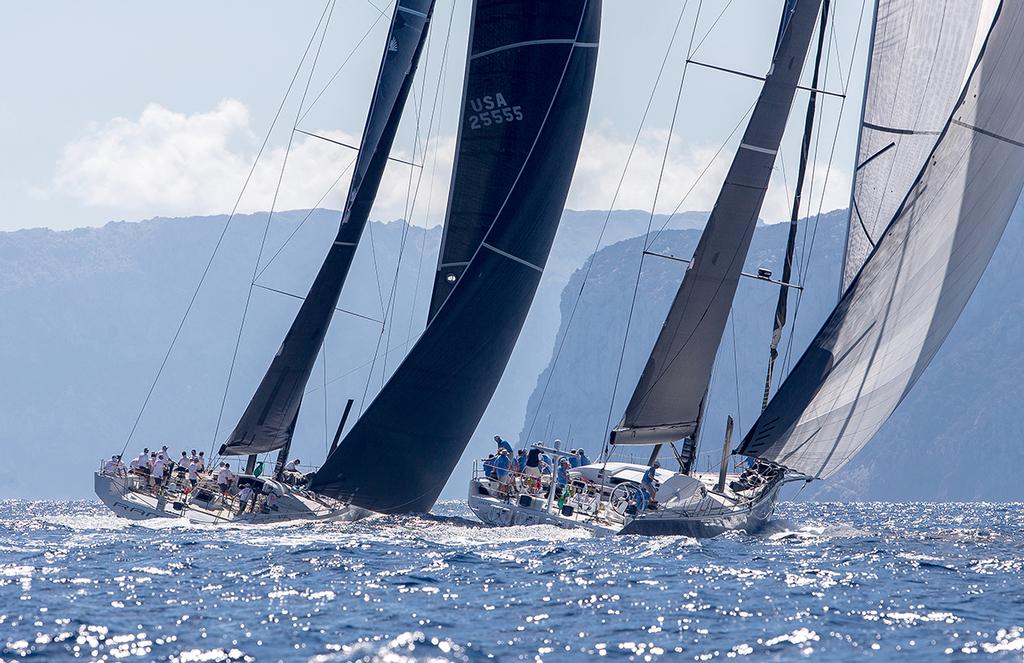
column 86, row 316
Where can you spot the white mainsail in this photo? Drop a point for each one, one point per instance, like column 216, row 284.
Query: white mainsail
column 899, row 308
column 922, row 51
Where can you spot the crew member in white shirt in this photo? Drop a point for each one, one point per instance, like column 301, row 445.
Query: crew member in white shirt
column 156, row 475
column 224, row 478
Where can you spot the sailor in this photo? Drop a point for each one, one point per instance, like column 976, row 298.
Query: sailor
column 114, row 466
column 501, row 470
column 270, row 503
column 581, row 455
column 202, row 462
column 140, row 461
column 224, row 478
column 192, row 455
column 533, row 468
column 156, row 473
column 545, row 464
column 193, row 472
column 561, row 477
column 521, row 461
column 489, row 467
column 244, row 496
column 574, row 460
column 183, row 461
column 647, row 483
column 503, row 444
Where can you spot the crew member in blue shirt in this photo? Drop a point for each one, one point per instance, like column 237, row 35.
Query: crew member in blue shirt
column 561, row 477
column 501, row 470
column 574, row 460
column 582, row 456
column 647, row 482
column 503, row 444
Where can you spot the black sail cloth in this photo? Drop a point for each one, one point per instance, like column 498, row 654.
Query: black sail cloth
column 898, row 310
column 269, row 419
column 666, row 402
column 528, row 85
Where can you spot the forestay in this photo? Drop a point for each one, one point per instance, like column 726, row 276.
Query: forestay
column 666, row 402
column 921, row 53
column 529, row 78
column 900, row 307
column 269, row 419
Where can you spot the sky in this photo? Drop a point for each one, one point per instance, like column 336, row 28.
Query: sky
column 123, row 110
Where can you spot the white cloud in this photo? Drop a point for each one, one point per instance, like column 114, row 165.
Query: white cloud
column 689, row 166
column 169, row 163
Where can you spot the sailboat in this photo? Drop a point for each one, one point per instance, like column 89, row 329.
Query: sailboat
column 268, row 422
column 940, row 168
column 526, row 96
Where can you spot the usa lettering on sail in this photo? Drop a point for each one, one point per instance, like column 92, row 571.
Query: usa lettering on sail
column 492, row 109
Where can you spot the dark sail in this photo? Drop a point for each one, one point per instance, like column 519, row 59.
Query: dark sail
column 266, row 424
column 529, row 78
column 666, row 402
column 898, row 310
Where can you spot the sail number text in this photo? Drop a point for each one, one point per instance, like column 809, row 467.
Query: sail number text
column 492, row 109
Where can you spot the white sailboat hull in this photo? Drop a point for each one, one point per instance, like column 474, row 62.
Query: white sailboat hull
column 697, row 518
column 129, row 497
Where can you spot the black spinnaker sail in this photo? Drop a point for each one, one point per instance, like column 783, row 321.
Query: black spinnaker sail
column 269, row 419
column 529, row 78
column 666, row 403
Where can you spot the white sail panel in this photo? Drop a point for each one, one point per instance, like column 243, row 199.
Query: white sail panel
column 921, row 53
column 899, row 309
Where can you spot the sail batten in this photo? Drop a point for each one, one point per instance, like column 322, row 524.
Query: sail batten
column 922, row 51
column 268, row 421
column 523, row 114
column 678, row 371
column 903, row 302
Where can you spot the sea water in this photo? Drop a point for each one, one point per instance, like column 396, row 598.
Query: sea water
column 831, row 582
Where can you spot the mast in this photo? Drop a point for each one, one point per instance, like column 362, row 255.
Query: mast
column 269, row 419
column 530, row 73
column 794, row 217
column 911, row 289
column 665, row 405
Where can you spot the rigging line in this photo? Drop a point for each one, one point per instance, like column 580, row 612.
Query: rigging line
column 223, row 232
column 647, row 243
column 344, row 62
column 736, row 364
column 327, row 405
column 266, row 227
column 411, row 204
column 309, row 213
column 353, row 147
column 711, row 29
column 835, row 137
column 412, row 195
column 336, row 308
column 607, row 218
column 703, row 172
column 442, row 76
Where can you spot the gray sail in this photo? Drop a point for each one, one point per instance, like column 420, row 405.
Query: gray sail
column 529, row 78
column 921, row 53
column 898, row 310
column 666, row 402
column 268, row 420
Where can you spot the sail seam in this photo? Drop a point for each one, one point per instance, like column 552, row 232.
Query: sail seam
column 990, row 134
column 512, row 257
column 340, row 243
column 755, row 148
column 531, row 42
column 899, row 130
column 407, row 10
column 453, row 264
